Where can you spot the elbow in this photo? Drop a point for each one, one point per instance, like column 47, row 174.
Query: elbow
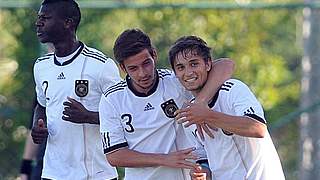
column 260, row 132
column 226, row 64
column 230, row 66
column 112, row 160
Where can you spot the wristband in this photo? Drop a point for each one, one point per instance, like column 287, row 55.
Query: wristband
column 26, row 167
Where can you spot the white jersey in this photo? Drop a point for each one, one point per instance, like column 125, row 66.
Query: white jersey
column 235, row 157
column 129, row 119
column 74, row 150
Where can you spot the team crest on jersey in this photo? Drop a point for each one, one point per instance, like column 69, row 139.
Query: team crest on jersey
column 169, row 107
column 81, row 87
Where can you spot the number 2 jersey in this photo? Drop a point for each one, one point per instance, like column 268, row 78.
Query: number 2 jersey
column 74, row 150
column 235, row 157
column 129, row 119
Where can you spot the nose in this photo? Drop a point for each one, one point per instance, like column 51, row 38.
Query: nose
column 38, row 23
column 188, row 71
column 142, row 72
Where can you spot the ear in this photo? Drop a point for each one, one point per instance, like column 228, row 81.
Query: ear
column 154, row 55
column 209, row 64
column 68, row 23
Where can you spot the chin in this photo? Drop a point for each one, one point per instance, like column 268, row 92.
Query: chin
column 192, row 88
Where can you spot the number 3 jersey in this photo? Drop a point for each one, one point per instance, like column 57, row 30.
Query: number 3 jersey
column 236, row 157
column 129, row 119
column 74, row 150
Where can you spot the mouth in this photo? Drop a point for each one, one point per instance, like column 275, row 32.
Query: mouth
column 39, row 34
column 146, row 80
column 193, row 79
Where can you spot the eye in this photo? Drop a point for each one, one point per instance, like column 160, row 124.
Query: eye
column 179, row 68
column 194, row 64
column 42, row 17
column 132, row 68
column 147, row 62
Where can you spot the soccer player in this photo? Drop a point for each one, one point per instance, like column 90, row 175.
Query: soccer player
column 69, row 85
column 136, row 115
column 242, row 147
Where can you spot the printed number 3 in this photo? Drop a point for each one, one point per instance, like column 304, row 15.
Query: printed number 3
column 128, row 119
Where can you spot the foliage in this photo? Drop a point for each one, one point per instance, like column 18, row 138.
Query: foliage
column 263, row 43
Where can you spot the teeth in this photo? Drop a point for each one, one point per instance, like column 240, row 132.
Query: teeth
column 191, row 80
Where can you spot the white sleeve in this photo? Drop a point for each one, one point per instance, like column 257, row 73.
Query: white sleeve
column 110, row 127
column 109, row 75
column 244, row 102
column 40, row 87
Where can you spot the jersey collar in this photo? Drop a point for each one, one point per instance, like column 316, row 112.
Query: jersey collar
column 135, row 92
column 213, row 100
column 56, row 62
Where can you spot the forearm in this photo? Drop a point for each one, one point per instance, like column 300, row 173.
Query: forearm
column 92, row 117
column 221, row 71
column 131, row 158
column 39, row 113
column 30, row 149
column 240, row 125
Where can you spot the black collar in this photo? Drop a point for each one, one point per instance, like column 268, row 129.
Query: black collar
column 139, row 94
column 70, row 60
column 214, row 99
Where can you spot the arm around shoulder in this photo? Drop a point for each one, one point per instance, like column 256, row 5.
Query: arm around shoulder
column 222, row 70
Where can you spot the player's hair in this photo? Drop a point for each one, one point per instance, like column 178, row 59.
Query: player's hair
column 66, row 9
column 131, row 42
column 189, row 44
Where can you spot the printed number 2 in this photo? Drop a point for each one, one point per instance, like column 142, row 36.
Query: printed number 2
column 128, row 119
column 45, row 84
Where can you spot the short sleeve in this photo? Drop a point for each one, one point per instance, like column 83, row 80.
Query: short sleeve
column 41, row 97
column 109, row 75
column 244, row 102
column 110, row 127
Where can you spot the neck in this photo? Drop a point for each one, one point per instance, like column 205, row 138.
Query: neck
column 66, row 48
column 195, row 93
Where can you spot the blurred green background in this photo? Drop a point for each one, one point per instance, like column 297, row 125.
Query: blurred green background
column 265, row 43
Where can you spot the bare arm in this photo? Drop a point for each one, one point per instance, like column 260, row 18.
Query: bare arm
column 222, row 70
column 241, row 125
column 75, row 112
column 130, row 158
column 30, row 149
column 29, row 154
column 39, row 113
column 39, row 130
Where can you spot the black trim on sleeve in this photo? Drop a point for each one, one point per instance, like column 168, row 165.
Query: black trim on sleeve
column 202, row 161
column 115, row 147
column 256, row 117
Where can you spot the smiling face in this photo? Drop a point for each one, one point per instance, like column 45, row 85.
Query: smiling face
column 141, row 69
column 191, row 70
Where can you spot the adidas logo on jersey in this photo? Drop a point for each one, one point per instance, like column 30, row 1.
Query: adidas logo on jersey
column 148, row 107
column 61, row 76
column 249, row 111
